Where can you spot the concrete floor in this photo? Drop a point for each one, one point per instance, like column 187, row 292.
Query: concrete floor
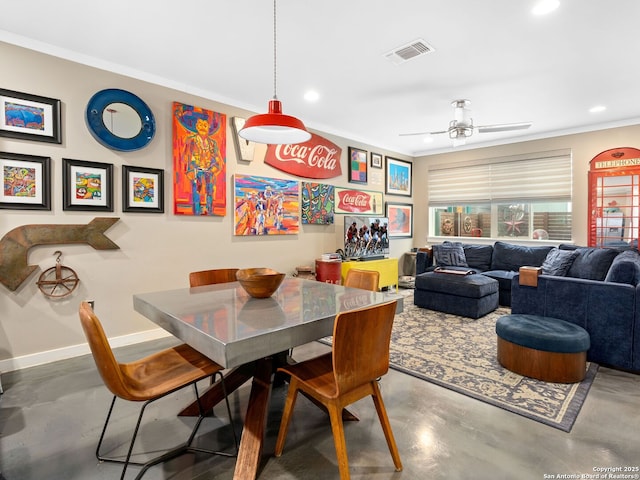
column 51, row 415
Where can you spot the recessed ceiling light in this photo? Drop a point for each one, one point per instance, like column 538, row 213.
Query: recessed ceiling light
column 428, row 139
column 311, row 96
column 597, row 109
column 545, row 6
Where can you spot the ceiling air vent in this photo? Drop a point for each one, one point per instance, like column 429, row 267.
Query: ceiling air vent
column 409, row 51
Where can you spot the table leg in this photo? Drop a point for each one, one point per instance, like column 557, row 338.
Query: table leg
column 252, row 439
column 233, row 380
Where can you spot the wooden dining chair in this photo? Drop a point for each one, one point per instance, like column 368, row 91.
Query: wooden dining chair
column 209, row 277
column 146, row 380
column 348, row 373
column 365, row 279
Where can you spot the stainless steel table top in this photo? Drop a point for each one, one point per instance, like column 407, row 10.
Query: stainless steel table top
column 227, row 325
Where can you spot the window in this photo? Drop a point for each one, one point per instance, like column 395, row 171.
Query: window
column 525, row 197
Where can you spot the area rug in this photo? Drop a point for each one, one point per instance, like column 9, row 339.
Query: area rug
column 459, row 353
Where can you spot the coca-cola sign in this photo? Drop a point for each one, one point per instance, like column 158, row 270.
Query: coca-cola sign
column 315, row 158
column 357, row 201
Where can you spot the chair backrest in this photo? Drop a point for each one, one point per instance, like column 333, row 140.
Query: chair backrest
column 209, row 277
column 361, row 345
column 365, row 279
column 102, row 354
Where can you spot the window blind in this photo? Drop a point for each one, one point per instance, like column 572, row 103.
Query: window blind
column 538, row 178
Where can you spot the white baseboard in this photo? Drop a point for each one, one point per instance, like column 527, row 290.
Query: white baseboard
column 40, row 358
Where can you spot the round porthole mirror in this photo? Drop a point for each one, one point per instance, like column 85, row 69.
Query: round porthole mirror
column 120, row 120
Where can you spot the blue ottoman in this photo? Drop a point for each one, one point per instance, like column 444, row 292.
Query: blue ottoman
column 466, row 295
column 545, row 348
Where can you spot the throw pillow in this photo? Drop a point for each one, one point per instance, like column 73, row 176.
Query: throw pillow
column 558, row 262
column 449, row 254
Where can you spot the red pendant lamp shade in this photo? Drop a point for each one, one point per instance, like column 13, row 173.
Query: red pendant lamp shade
column 274, row 128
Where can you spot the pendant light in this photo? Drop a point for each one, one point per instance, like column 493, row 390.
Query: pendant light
column 274, row 127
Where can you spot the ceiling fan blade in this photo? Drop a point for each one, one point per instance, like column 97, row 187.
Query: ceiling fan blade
column 507, row 127
column 421, row 133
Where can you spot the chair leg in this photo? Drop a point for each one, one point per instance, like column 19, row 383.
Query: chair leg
column 175, row 452
column 337, row 427
column 386, row 425
column 201, row 414
column 289, row 404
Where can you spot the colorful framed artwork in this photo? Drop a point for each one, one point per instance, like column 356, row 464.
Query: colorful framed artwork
column 265, row 206
column 29, row 117
column 26, row 182
column 357, row 165
column 398, row 177
column 349, row 200
column 376, row 160
column 199, row 161
column 142, row 189
column 87, row 186
column 400, row 217
column 318, row 203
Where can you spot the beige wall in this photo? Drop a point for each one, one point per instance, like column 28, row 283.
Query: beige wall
column 583, row 146
column 156, row 251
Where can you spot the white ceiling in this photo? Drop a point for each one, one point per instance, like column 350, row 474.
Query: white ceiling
column 512, row 65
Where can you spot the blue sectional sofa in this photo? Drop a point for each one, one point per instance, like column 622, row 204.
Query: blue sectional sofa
column 500, row 261
column 601, row 294
column 598, row 289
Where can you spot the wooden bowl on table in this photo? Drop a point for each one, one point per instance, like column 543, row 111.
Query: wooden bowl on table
column 259, row 282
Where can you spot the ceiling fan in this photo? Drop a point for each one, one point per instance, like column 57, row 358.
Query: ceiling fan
column 461, row 127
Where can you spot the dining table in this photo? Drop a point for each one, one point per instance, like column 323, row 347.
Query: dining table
column 251, row 337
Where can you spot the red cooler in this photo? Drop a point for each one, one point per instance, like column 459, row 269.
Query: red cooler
column 328, row 272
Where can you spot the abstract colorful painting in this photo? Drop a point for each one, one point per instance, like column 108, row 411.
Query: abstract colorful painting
column 318, row 202
column 357, row 165
column 199, row 161
column 266, row 206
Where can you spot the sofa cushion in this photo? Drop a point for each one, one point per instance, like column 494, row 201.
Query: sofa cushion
column 625, row 268
column 471, row 286
column 558, row 262
column 592, row 263
column 449, row 254
column 478, row 256
column 507, row 256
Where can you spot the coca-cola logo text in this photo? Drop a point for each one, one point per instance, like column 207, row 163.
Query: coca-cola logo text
column 360, row 200
column 316, row 158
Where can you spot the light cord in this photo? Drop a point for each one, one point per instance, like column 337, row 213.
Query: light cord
column 275, row 58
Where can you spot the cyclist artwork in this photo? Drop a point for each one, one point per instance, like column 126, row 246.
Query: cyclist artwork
column 366, row 237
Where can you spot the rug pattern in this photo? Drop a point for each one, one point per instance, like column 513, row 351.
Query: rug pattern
column 459, row 353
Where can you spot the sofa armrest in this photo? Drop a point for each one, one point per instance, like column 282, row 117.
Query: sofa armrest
column 424, row 260
column 529, row 276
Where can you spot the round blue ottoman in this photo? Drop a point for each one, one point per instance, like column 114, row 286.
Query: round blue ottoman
column 544, row 348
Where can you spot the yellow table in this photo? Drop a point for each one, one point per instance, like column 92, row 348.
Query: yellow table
column 387, row 267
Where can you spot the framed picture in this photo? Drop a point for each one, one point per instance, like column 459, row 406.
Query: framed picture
column 398, row 177
column 244, row 148
column 199, row 161
column 266, row 206
column 400, row 217
column 142, row 189
column 29, row 117
column 357, row 165
column 376, row 160
column 26, row 182
column 87, row 186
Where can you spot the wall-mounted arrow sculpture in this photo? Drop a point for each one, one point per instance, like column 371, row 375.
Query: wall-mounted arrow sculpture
column 15, row 245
